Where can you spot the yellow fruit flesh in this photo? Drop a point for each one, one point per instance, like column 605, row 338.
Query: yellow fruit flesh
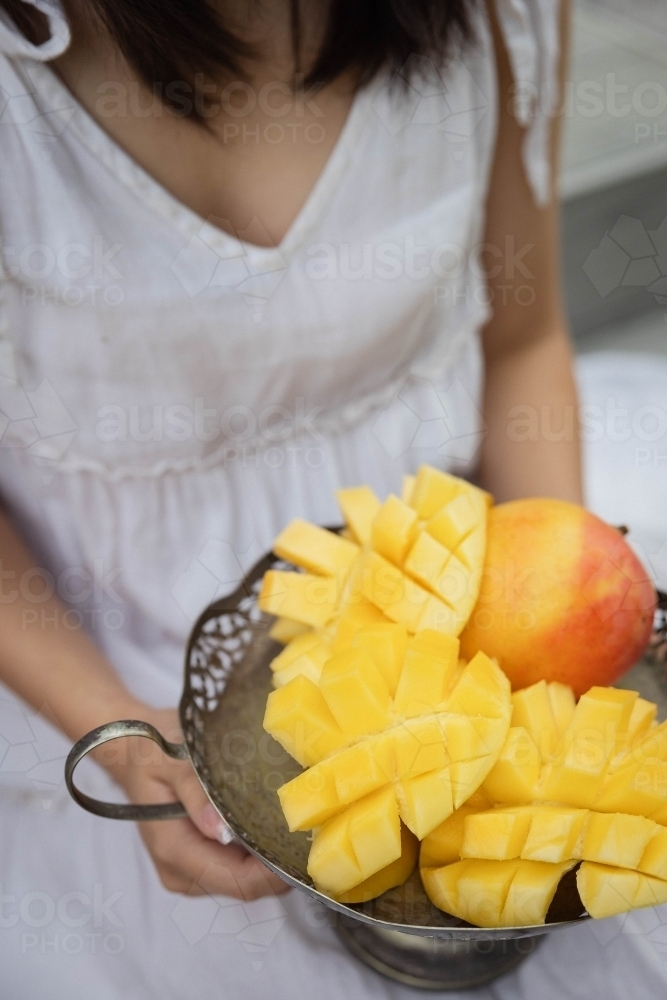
column 359, row 506
column 498, row 834
column 394, row 874
column 654, row 859
column 514, row 776
column 443, row 845
column 394, row 529
column 532, row 709
column 315, row 549
column 387, row 646
column 355, row 692
column 356, row 844
column 297, row 716
column 554, row 834
column 302, row 597
column 284, row 630
column 531, row 892
column 617, row 839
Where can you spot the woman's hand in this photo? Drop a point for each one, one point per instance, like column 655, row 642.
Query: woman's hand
column 193, row 855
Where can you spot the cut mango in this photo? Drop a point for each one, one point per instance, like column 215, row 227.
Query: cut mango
column 426, row 677
column 514, row 775
column 482, row 890
column 443, row 845
column 297, row 716
column 359, row 506
column 300, row 596
column 284, row 630
column 356, row 844
column 426, row 560
column 315, row 549
column 394, row 874
column 433, row 489
column 309, row 664
column 532, row 709
column 387, row 646
column 394, row 529
column 425, row 801
column 407, row 486
column 617, row 839
column 531, row 891
column 554, row 834
column 355, row 692
column 654, row 859
column 497, row 834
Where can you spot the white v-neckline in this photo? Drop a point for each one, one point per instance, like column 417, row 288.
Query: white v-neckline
column 144, row 186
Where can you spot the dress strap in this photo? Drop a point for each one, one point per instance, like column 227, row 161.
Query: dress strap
column 15, row 45
column 530, row 30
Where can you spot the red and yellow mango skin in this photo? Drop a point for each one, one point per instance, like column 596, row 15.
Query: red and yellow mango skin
column 563, row 597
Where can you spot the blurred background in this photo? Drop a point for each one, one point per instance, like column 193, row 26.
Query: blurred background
column 614, row 175
column 613, row 186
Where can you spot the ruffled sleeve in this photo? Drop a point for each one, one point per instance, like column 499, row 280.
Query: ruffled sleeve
column 15, row 45
column 530, row 30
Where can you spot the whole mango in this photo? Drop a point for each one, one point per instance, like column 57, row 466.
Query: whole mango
column 563, row 597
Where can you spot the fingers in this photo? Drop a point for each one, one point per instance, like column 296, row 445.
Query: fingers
column 189, row 862
column 199, row 809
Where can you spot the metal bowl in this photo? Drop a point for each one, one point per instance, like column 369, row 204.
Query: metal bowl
column 226, row 684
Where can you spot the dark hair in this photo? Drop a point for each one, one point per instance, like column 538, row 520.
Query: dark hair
column 175, row 40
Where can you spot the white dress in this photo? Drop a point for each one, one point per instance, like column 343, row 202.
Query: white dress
column 170, row 397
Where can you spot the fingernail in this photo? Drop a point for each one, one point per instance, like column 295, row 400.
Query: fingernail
column 216, row 824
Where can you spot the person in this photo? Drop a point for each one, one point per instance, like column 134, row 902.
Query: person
column 251, row 253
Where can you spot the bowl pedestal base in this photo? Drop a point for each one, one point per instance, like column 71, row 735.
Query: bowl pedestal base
column 433, row 963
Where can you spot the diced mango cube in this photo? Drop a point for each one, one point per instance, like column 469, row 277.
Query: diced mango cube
column 497, row 834
column 532, row 709
column 375, row 831
column 482, row 890
column 395, row 873
column 471, row 551
column 471, row 736
column 310, row 799
column 359, row 506
column 457, row 519
column 355, row 844
column 563, row 704
column 654, row 859
column 332, row 862
column 531, row 891
column 394, row 593
column 315, row 549
column 425, row 678
column 301, row 596
column 362, row 768
column 606, row 891
column 441, row 885
column 297, row 716
column 394, row 529
column 483, row 689
column 443, row 845
column 426, row 560
column 467, row 776
column 418, row 746
column 617, row 839
column 425, row 801
column 309, row 664
column 641, row 718
column 295, row 648
column 407, row 486
column 554, row 834
column 515, row 773
column 284, row 630
column 458, row 587
column 639, row 788
column 355, row 692
column 386, row 645
column 351, row 620
column 439, row 617
column 433, row 489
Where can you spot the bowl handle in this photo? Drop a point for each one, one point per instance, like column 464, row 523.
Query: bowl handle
column 113, row 810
